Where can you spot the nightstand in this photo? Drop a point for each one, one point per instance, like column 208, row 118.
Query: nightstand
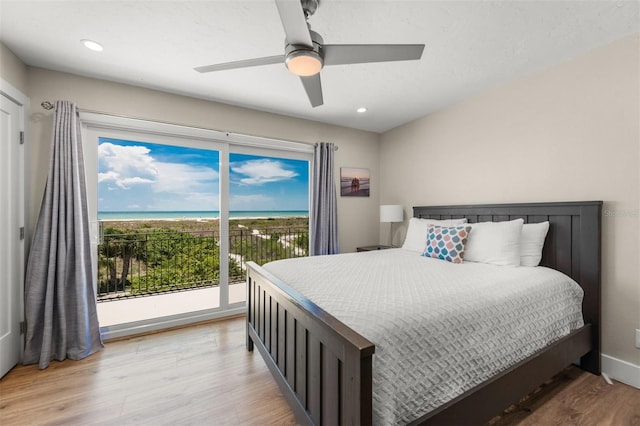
column 371, row 248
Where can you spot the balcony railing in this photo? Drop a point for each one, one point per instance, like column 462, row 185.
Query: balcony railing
column 137, row 264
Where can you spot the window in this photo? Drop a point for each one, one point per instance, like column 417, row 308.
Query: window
column 200, row 197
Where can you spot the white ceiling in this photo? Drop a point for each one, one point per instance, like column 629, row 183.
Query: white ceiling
column 471, row 46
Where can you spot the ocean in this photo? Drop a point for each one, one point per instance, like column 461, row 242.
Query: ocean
column 198, row 215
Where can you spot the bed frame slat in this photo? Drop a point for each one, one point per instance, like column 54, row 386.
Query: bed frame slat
column 282, row 341
column 562, row 243
column 267, row 322
column 330, row 383
column 314, row 379
column 301, row 364
column 291, row 351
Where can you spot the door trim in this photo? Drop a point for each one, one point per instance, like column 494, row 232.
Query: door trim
column 9, row 91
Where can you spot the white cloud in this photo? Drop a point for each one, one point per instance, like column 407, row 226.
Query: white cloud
column 262, row 171
column 104, row 177
column 129, row 166
column 124, row 183
column 176, row 177
column 126, row 165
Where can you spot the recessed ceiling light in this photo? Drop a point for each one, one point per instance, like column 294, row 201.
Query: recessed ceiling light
column 361, row 110
column 92, row 45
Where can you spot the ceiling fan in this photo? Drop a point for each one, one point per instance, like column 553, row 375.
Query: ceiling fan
column 305, row 52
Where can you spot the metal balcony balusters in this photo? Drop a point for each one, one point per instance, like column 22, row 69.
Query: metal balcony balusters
column 141, row 264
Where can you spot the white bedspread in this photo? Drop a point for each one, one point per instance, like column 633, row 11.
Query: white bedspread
column 439, row 328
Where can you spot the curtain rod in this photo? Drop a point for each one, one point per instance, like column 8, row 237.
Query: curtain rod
column 49, row 106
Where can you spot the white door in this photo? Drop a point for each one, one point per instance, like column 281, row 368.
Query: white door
column 11, row 243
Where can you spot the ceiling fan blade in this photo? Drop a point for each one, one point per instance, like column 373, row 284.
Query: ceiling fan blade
column 294, row 22
column 267, row 60
column 313, row 87
column 340, row 54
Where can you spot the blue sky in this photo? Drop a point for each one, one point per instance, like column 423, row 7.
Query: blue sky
column 139, row 176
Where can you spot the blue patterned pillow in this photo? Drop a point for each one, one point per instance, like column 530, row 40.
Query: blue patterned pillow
column 446, row 242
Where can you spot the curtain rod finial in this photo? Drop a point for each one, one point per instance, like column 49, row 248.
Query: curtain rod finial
column 335, row 147
column 46, row 105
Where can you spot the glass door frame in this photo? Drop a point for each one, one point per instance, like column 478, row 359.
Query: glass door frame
column 95, row 125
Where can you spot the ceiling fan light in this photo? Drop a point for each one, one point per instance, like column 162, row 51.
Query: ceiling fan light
column 304, row 63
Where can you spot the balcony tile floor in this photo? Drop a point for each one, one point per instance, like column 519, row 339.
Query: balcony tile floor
column 162, row 305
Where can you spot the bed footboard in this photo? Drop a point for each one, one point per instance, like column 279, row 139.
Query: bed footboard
column 322, row 366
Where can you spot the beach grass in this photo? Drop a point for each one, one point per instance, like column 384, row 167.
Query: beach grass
column 196, row 225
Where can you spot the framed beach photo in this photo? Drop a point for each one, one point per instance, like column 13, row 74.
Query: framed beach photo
column 354, row 182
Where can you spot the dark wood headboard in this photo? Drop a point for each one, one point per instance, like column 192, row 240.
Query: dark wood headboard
column 572, row 246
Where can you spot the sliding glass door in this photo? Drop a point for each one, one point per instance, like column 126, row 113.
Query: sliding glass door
column 269, row 212
column 179, row 211
column 158, row 217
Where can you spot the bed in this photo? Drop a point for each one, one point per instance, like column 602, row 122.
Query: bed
column 325, row 368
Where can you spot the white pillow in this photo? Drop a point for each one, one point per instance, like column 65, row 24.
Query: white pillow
column 416, row 238
column 497, row 243
column 532, row 242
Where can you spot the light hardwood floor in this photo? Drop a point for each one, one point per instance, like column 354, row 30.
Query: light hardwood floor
column 202, row 375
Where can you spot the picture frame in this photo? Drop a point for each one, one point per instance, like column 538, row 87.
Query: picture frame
column 354, row 182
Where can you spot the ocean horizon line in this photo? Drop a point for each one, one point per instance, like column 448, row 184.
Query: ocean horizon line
column 198, row 214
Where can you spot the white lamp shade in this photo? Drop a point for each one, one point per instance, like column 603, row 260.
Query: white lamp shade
column 391, row 213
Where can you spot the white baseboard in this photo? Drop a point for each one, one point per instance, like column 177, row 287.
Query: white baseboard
column 155, row 324
column 621, row 371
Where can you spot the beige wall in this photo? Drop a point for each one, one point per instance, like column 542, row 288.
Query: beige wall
column 356, row 148
column 12, row 69
column 568, row 133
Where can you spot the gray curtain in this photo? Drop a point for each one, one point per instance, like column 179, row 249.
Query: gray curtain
column 324, row 212
column 60, row 301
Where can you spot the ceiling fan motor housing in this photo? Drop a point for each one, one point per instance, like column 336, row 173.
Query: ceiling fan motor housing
column 313, row 54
